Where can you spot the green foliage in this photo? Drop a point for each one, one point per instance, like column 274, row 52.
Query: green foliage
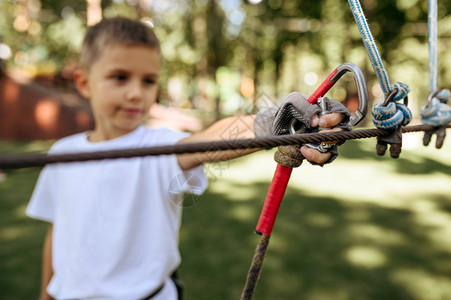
column 66, row 36
column 268, row 42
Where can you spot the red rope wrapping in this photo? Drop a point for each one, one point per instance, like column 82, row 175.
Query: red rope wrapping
column 273, row 199
column 323, row 88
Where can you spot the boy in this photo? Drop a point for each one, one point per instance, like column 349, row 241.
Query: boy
column 114, row 231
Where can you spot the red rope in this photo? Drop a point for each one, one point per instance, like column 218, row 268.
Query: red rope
column 273, row 200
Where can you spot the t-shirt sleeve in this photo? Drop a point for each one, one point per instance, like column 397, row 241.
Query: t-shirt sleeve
column 41, row 205
column 191, row 181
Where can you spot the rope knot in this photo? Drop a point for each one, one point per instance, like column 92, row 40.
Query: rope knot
column 436, row 113
column 402, row 90
column 444, row 96
column 391, row 114
column 289, row 156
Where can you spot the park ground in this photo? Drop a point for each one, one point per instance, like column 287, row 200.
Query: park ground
column 364, row 227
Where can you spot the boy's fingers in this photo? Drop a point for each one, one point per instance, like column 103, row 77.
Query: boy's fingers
column 327, row 121
column 332, row 129
column 314, row 121
column 331, row 120
column 314, row 155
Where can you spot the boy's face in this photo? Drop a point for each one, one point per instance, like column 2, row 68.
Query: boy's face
column 121, row 85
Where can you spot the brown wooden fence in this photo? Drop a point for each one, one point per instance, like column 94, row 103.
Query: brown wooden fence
column 31, row 110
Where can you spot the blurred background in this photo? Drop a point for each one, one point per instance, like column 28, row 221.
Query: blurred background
column 219, row 56
column 365, row 227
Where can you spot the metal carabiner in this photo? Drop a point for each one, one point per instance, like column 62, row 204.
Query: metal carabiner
column 333, row 77
column 323, row 103
column 362, row 90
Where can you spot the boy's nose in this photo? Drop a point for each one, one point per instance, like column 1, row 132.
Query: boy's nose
column 134, row 92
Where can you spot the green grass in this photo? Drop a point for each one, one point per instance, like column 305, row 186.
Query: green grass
column 20, row 237
column 364, row 227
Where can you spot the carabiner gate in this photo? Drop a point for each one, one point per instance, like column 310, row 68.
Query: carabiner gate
column 333, row 77
column 362, row 90
column 327, row 84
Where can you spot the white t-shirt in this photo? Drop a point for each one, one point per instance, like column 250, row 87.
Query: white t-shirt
column 115, row 222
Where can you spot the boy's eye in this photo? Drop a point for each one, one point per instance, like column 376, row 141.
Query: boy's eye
column 150, row 80
column 119, row 77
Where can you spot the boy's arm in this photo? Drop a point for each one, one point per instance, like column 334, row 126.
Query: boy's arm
column 47, row 269
column 226, row 129
column 242, row 128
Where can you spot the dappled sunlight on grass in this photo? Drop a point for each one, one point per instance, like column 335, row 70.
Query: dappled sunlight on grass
column 240, row 192
column 326, row 293
column 364, row 227
column 372, row 233
column 349, row 230
column 366, row 256
column 242, row 213
column 376, row 179
column 320, row 220
column 12, row 233
column 20, row 237
column 429, row 214
column 423, row 284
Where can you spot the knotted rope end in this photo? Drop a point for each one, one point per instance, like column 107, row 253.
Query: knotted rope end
column 289, row 156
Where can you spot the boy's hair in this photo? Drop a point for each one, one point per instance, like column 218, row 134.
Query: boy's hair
column 117, row 30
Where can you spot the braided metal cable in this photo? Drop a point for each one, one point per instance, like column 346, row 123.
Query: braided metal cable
column 37, row 160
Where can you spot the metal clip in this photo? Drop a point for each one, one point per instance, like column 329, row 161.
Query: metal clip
column 395, row 141
column 326, row 85
column 395, row 136
column 439, row 131
column 362, row 90
column 441, row 134
column 323, row 103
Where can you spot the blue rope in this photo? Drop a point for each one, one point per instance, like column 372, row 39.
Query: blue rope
column 432, row 42
column 370, row 45
column 391, row 116
column 436, row 112
column 384, row 117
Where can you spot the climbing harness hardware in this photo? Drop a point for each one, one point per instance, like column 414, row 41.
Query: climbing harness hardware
column 437, row 113
column 323, row 102
column 289, row 157
column 390, row 116
column 362, row 90
column 323, row 147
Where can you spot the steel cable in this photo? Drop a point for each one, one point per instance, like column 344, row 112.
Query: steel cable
column 27, row 160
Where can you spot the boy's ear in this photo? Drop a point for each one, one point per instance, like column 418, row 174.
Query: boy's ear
column 82, row 83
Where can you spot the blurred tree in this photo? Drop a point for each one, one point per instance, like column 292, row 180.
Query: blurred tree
column 281, row 45
column 94, row 11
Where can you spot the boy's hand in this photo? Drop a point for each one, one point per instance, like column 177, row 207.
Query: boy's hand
column 330, row 120
column 277, row 121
